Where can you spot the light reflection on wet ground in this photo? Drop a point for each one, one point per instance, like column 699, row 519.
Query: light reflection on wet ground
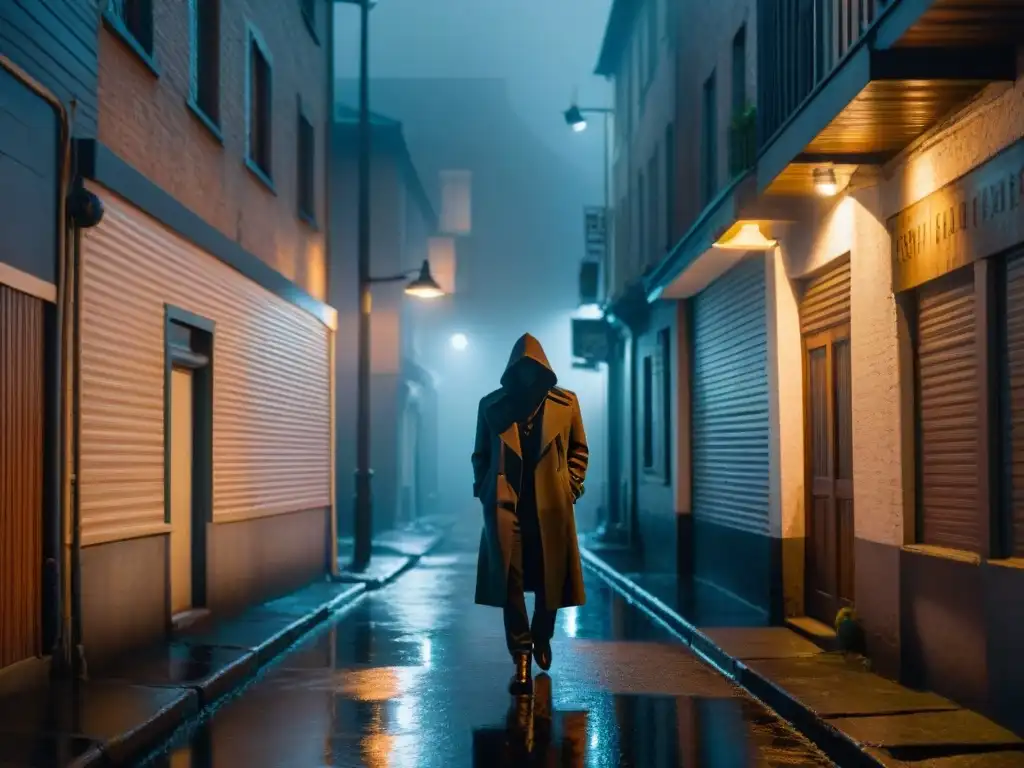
column 415, row 676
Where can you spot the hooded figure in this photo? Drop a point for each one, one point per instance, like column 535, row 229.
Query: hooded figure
column 529, row 464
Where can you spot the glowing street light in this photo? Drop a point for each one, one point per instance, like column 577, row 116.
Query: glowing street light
column 459, row 341
column 574, row 119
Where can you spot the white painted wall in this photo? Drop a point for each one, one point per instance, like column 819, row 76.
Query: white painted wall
column 857, row 224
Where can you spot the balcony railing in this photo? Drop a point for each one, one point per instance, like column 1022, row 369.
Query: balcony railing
column 801, row 42
column 742, row 141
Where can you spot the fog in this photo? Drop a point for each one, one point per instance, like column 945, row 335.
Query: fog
column 481, row 85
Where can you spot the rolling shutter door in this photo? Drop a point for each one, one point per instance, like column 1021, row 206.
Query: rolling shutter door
column 947, row 401
column 1014, row 399
column 826, row 300
column 730, row 400
column 22, row 387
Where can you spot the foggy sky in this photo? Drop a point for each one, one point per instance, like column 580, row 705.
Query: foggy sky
column 545, row 49
column 528, row 61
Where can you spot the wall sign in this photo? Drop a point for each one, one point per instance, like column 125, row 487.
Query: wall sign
column 977, row 216
column 595, row 232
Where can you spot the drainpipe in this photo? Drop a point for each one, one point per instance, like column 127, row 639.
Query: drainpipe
column 56, row 566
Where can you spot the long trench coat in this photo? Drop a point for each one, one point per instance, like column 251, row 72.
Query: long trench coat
column 559, row 475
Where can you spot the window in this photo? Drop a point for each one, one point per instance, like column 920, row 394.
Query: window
column 947, row 399
column 641, row 223
column 258, row 108
column 665, row 417
column 648, row 426
column 204, row 88
column 306, row 168
column 739, row 71
column 132, row 22
column 456, row 202
column 308, row 8
column 653, row 209
column 670, row 184
column 709, row 140
column 652, row 39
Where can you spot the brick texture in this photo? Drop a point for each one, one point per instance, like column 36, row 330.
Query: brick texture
column 145, row 119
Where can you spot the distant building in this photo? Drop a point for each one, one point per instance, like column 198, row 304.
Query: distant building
column 403, row 392
column 201, row 436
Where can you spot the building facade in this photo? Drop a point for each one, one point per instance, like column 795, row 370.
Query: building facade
column 48, row 67
column 202, row 391
column 404, row 399
column 640, row 54
column 850, row 355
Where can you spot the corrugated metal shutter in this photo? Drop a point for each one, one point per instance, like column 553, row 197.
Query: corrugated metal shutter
column 826, row 299
column 947, row 403
column 22, row 398
column 1014, row 399
column 730, row 400
column 271, row 420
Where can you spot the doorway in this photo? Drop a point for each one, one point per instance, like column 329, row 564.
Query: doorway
column 829, row 458
column 180, row 481
column 188, row 434
column 828, row 443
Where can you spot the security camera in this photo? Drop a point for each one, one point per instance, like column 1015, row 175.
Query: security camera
column 85, row 208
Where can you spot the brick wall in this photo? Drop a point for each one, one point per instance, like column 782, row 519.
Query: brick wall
column 144, row 118
column 706, row 33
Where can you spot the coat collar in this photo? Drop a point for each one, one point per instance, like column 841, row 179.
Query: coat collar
column 554, row 412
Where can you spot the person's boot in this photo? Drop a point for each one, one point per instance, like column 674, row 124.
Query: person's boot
column 522, row 680
column 542, row 654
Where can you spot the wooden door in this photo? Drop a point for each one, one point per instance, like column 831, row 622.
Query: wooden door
column 180, row 468
column 829, row 459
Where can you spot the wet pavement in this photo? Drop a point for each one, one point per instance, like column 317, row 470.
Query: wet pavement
column 415, row 675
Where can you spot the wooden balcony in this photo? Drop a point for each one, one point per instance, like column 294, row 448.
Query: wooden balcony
column 846, row 83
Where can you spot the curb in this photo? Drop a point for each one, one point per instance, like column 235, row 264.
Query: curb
column 200, row 698
column 837, row 746
column 411, row 561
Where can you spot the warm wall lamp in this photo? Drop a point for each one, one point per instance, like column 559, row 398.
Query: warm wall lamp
column 825, row 182
column 748, row 238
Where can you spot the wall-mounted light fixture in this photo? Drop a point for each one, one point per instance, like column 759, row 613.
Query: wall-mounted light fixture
column 748, row 238
column 574, row 119
column 825, row 182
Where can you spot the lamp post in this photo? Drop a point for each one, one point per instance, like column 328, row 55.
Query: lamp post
column 610, row 529
column 575, row 118
column 424, row 287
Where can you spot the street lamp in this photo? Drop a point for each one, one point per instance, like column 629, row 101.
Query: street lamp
column 423, row 286
column 575, row 118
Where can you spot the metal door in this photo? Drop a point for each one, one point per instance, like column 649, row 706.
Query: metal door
column 730, row 401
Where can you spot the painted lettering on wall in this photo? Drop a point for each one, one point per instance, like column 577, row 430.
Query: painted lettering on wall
column 976, row 216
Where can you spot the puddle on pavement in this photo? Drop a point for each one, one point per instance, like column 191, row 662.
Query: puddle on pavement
column 601, row 730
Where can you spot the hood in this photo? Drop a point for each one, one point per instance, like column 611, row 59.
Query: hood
column 528, row 351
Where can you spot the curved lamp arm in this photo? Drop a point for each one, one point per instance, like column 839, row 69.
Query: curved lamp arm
column 395, row 278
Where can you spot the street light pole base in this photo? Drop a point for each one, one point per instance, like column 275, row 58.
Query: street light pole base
column 363, row 522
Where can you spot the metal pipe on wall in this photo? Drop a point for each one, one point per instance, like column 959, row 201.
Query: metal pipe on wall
column 59, row 510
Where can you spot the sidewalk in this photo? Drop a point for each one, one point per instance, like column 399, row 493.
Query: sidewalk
column 857, row 718
column 127, row 710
